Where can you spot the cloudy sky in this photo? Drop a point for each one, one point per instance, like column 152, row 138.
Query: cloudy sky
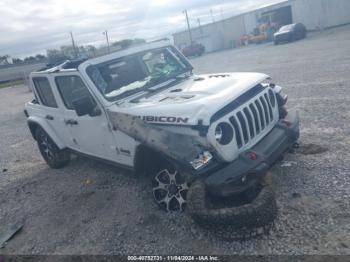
column 31, row 26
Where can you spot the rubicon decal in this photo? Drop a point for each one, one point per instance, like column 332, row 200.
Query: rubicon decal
column 165, row 119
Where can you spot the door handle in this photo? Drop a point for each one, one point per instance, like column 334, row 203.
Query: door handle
column 71, row 122
column 49, row 117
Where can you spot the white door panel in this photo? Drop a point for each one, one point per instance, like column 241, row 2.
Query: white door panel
column 87, row 134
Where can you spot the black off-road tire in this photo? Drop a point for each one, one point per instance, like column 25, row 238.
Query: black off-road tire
column 237, row 222
column 53, row 156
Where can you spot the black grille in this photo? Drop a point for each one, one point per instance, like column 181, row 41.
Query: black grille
column 237, row 132
column 252, row 119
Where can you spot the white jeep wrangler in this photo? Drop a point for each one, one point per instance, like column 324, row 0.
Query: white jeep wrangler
column 142, row 108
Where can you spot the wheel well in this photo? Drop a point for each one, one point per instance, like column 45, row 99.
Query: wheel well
column 33, row 127
column 147, row 160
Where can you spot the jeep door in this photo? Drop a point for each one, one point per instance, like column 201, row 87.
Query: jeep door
column 47, row 107
column 90, row 135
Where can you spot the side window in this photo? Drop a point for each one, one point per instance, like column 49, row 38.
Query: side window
column 70, row 85
column 43, row 88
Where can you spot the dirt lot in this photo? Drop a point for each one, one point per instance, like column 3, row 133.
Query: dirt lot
column 116, row 215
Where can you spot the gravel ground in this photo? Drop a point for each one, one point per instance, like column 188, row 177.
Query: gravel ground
column 116, row 215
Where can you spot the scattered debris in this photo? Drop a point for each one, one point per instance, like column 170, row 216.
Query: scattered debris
column 87, row 182
column 86, row 189
column 311, row 149
column 9, row 232
column 4, row 170
column 296, row 195
column 288, row 163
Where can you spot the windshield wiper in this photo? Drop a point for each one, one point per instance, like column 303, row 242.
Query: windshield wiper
column 131, row 92
column 182, row 76
column 168, row 83
column 149, row 87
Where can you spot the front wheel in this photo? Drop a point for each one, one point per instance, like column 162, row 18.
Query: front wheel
column 170, row 189
column 53, row 156
column 227, row 219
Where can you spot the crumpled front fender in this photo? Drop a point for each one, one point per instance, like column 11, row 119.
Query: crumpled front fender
column 178, row 147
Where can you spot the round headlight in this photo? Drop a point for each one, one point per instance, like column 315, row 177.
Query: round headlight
column 224, row 133
column 272, row 98
column 218, row 133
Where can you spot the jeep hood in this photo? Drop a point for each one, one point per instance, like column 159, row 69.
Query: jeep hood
column 191, row 100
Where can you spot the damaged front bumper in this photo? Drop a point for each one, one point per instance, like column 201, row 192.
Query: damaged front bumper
column 221, row 179
column 255, row 162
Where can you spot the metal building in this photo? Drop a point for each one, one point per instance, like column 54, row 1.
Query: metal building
column 227, row 33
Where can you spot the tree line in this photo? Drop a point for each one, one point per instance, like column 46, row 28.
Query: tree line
column 54, row 56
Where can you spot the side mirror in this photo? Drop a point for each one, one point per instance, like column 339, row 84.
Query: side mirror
column 83, row 105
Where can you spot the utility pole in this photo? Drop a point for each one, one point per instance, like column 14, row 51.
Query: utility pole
column 106, row 34
column 199, row 25
column 73, row 44
column 199, row 22
column 188, row 26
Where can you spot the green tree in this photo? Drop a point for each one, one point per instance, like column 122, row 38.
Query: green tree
column 55, row 56
column 40, row 57
column 29, row 59
column 91, row 50
column 17, row 60
column 125, row 43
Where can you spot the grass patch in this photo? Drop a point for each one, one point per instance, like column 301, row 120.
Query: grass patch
column 11, row 83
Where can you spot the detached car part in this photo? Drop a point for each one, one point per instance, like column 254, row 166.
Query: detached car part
column 244, row 220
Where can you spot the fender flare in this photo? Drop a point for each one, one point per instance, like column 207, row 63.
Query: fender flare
column 34, row 122
column 146, row 158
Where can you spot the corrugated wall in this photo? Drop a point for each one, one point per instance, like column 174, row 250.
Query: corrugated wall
column 250, row 22
column 224, row 34
column 320, row 14
column 232, row 30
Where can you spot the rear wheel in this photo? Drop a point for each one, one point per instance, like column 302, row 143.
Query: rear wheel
column 305, row 34
column 53, row 156
column 293, row 37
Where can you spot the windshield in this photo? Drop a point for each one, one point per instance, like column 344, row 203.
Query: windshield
column 138, row 72
column 286, row 28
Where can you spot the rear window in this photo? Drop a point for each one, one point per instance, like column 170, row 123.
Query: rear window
column 44, row 90
column 287, row 28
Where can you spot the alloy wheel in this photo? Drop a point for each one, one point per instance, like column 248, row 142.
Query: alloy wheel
column 47, row 147
column 170, row 190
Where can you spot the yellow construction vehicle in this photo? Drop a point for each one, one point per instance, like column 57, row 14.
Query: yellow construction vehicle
column 267, row 27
